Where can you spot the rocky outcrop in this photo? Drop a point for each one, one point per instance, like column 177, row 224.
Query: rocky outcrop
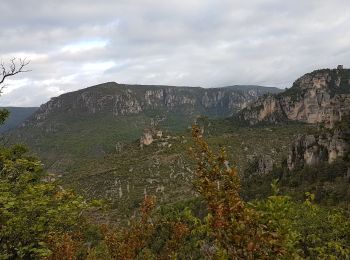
column 146, row 138
column 322, row 96
column 260, row 165
column 314, row 149
column 149, row 135
column 119, row 147
column 265, row 164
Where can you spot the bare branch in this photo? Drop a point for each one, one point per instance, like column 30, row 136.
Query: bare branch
column 14, row 67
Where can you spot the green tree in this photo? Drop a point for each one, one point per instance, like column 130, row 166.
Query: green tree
column 310, row 231
column 32, row 207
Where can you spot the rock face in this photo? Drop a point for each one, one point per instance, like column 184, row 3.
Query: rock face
column 146, row 138
column 124, row 100
column 261, row 165
column 322, row 96
column 314, row 149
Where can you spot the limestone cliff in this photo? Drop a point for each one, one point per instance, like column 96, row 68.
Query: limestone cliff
column 124, row 100
column 322, row 96
column 314, row 149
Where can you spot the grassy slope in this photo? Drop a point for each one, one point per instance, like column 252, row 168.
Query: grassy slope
column 125, row 177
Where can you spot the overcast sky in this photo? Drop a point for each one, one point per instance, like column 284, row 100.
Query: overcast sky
column 74, row 44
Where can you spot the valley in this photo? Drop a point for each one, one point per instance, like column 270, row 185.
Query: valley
column 122, row 142
column 119, row 145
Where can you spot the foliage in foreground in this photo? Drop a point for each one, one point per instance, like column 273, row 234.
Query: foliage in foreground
column 33, row 210
column 39, row 219
column 310, row 231
column 236, row 227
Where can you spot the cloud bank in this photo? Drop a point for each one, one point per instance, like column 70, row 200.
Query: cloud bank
column 208, row 43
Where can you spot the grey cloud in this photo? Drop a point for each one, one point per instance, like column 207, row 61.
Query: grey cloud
column 195, row 42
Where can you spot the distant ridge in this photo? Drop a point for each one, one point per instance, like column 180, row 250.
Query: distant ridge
column 124, row 99
column 17, row 116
